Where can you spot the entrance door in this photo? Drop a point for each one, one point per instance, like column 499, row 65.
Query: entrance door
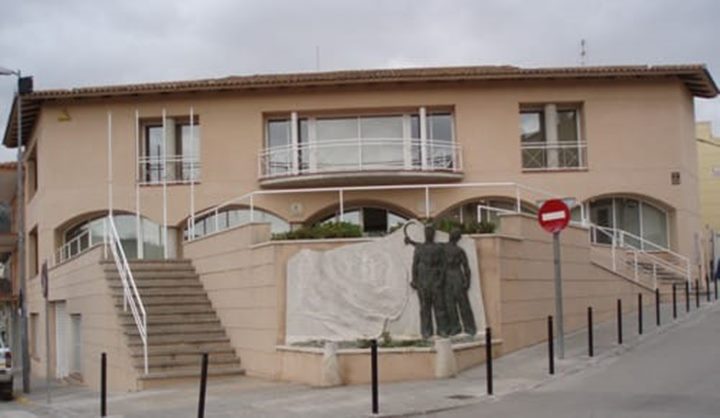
column 61, row 340
column 601, row 213
column 76, row 325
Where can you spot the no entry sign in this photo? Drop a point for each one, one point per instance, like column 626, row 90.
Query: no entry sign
column 554, row 216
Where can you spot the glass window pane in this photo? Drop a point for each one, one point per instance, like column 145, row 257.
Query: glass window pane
column 336, row 148
column 415, row 137
column 440, row 127
column 627, row 216
column 153, row 150
column 278, row 132
column 654, row 224
column 531, row 126
column 382, row 142
column 190, row 150
column 279, row 152
column 567, row 125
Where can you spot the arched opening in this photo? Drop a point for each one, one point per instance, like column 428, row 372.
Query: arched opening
column 233, row 216
column 644, row 220
column 78, row 237
column 484, row 210
column 373, row 219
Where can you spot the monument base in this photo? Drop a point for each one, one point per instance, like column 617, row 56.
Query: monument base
column 305, row 364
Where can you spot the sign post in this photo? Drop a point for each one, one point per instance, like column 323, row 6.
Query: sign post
column 45, row 290
column 553, row 217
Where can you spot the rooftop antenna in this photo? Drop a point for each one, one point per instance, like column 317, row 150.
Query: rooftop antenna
column 583, row 52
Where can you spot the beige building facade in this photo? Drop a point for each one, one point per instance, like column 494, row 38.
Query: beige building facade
column 181, row 162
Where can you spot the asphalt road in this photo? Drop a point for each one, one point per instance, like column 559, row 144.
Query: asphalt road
column 676, row 374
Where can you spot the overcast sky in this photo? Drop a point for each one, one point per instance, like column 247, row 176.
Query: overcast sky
column 72, row 43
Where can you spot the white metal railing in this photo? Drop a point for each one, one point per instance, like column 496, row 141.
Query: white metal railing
column 131, row 296
column 562, row 155
column 359, row 154
column 519, row 191
column 627, row 249
column 179, row 169
column 76, row 246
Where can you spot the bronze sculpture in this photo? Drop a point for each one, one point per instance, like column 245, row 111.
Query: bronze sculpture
column 457, row 284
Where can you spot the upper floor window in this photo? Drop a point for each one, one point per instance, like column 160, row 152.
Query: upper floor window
column 551, row 138
column 170, row 151
column 231, row 217
column 32, row 173
column 393, row 141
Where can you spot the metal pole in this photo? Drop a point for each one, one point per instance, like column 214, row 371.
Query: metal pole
column 138, row 178
column 21, row 248
column 110, row 167
column 164, row 185
column 715, row 280
column 707, row 287
column 488, row 361
column 697, row 293
column 657, row 307
column 558, row 297
column 619, row 322
column 374, row 375
column 193, row 173
column 551, row 346
column 640, row 314
column 47, row 348
column 674, row 296
column 103, row 385
column 591, row 349
column 687, row 296
column 203, row 385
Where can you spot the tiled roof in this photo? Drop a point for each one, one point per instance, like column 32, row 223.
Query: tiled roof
column 695, row 77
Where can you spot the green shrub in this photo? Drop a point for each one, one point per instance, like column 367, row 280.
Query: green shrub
column 447, row 225
column 322, row 231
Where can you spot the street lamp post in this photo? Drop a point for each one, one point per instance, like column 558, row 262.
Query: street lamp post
column 20, row 209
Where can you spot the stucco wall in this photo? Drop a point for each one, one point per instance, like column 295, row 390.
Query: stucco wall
column 82, row 285
column 638, row 132
column 709, row 159
column 522, row 290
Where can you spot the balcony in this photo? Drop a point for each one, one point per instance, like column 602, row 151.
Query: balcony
column 360, row 161
column 557, row 156
column 174, row 169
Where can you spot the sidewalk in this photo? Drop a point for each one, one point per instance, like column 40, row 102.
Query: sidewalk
column 250, row 397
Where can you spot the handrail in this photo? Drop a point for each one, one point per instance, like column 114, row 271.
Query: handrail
column 65, row 252
column 517, row 188
column 131, row 296
column 297, row 159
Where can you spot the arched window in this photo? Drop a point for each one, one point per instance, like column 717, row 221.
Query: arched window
column 638, row 217
column 484, row 210
column 374, row 221
column 232, row 217
column 80, row 237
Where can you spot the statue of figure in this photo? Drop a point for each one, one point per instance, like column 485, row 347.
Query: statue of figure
column 457, row 283
column 428, row 277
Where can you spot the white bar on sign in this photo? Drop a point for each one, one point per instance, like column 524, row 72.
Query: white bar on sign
column 553, row 216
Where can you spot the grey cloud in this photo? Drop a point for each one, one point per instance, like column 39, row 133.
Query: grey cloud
column 75, row 42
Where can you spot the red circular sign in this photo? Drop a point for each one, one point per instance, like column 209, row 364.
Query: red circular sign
column 554, row 215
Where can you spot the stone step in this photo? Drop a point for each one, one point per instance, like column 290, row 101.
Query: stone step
column 160, row 300
column 190, row 340
column 203, row 328
column 182, row 350
column 158, row 283
column 189, row 357
column 203, row 308
column 155, row 274
column 167, row 319
column 150, row 264
column 165, row 364
column 163, row 291
column 183, row 376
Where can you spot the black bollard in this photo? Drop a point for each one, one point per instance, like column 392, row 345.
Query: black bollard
column 619, row 322
column 488, row 360
column 551, row 346
column 640, row 314
column 715, row 280
column 687, row 296
column 203, row 385
column 707, row 287
column 591, row 349
column 103, row 385
column 674, row 301
column 697, row 293
column 374, row 373
column 657, row 307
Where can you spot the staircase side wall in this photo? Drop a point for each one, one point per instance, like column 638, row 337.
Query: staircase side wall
column 521, row 260
column 82, row 285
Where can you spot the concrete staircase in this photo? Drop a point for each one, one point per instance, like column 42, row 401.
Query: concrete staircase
column 181, row 323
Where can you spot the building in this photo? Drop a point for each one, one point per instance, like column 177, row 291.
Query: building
column 180, row 162
column 708, row 147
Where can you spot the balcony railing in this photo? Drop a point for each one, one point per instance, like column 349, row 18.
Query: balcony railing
column 360, row 154
column 563, row 155
column 178, row 169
